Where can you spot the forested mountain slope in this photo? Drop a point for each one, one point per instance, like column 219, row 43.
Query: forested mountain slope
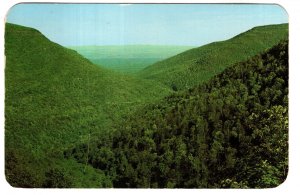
column 231, row 131
column 55, row 98
column 69, row 123
column 189, row 68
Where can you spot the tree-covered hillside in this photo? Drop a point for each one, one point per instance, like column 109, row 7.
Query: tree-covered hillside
column 189, row 68
column 55, row 98
column 231, row 131
column 70, row 123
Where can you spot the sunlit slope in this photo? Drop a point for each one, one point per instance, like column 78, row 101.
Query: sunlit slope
column 199, row 64
column 55, row 98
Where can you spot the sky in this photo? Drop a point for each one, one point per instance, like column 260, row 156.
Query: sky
column 154, row 24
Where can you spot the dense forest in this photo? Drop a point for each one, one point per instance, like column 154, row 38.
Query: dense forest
column 229, row 132
column 71, row 123
column 197, row 65
column 54, row 99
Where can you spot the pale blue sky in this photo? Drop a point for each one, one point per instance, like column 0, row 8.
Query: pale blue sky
column 157, row 24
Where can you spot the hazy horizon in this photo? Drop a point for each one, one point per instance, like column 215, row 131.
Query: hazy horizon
column 74, row 25
column 130, row 45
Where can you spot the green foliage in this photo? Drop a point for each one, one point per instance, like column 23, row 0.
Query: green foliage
column 231, row 132
column 56, row 179
column 200, row 64
column 69, row 123
column 20, row 170
column 56, row 99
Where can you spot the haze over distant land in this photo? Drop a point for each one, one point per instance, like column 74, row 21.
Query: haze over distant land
column 157, row 24
column 146, row 96
column 214, row 116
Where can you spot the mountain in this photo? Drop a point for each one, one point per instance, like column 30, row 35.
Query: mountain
column 55, row 98
column 71, row 123
column 194, row 66
column 128, row 58
column 229, row 132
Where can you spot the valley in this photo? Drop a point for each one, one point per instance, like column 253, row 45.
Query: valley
column 151, row 117
column 199, row 64
column 128, row 58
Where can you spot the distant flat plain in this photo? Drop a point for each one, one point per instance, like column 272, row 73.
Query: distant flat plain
column 128, row 58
